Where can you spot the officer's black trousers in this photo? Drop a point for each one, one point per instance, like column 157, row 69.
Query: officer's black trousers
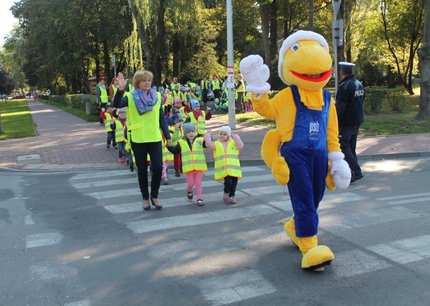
column 155, row 152
column 348, row 143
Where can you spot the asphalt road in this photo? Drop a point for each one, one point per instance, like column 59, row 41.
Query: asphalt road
column 81, row 239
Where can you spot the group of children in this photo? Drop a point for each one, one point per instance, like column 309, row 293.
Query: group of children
column 185, row 150
column 225, row 151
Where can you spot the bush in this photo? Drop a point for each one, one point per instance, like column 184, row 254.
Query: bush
column 397, row 100
column 386, row 100
column 374, row 100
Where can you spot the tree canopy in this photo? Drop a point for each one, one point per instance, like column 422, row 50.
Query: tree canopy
column 61, row 44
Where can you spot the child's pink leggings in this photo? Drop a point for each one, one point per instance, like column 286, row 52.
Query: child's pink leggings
column 194, row 179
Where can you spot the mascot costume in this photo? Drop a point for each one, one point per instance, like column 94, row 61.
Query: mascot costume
column 303, row 150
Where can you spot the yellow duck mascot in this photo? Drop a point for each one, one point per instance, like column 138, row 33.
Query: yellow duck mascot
column 303, row 150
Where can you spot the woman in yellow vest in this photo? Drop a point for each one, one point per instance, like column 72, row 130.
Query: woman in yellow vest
column 146, row 124
column 226, row 157
column 191, row 148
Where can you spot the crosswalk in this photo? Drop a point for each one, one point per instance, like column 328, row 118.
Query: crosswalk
column 229, row 236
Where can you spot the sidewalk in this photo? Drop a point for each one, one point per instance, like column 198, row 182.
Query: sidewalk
column 367, row 147
column 66, row 142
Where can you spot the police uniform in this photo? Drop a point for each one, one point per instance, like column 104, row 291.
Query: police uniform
column 350, row 110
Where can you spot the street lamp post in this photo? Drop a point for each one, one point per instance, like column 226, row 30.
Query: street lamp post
column 230, row 67
column 337, row 36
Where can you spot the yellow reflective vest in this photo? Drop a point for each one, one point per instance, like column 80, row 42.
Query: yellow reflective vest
column 199, row 122
column 119, row 131
column 216, row 85
column 108, row 121
column 146, row 127
column 227, row 162
column 195, row 159
column 104, row 97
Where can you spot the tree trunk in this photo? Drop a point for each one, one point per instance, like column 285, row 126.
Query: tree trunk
column 106, row 62
column 142, row 33
column 287, row 18
column 424, row 54
column 273, row 32
column 176, row 48
column 349, row 4
column 311, row 8
column 97, row 62
column 265, row 26
column 160, row 47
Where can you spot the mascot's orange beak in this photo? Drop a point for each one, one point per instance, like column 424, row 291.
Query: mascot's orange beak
column 317, row 78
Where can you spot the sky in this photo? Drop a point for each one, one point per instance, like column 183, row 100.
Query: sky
column 7, row 19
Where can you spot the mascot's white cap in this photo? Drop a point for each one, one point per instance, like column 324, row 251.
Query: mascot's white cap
column 294, row 38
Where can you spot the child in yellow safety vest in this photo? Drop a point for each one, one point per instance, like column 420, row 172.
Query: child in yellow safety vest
column 226, row 152
column 109, row 127
column 197, row 117
column 191, row 148
column 120, row 136
column 168, row 157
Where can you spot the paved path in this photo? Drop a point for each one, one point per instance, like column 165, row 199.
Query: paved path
column 67, row 142
column 64, row 141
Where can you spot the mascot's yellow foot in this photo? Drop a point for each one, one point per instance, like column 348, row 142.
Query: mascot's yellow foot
column 290, row 230
column 315, row 256
column 280, row 171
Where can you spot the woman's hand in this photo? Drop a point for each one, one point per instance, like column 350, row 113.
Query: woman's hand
column 122, row 83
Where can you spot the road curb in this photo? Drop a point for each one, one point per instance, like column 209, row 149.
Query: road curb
column 257, row 162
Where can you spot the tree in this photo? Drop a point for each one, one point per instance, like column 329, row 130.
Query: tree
column 402, row 29
column 6, row 83
column 424, row 112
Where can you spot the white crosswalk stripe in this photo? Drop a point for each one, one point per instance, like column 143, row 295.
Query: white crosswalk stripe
column 79, row 303
column 43, row 239
column 105, row 183
column 151, row 225
column 168, row 202
column 405, row 250
column 404, row 196
column 100, row 174
column 235, row 287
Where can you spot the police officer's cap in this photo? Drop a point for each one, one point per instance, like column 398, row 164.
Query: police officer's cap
column 346, row 66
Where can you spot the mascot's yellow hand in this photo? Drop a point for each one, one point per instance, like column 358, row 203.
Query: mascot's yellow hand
column 280, row 171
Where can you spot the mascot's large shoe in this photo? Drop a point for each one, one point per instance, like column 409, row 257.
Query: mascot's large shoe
column 315, row 256
column 303, row 150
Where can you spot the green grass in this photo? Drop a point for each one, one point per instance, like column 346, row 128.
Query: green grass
column 16, row 120
column 75, row 111
column 394, row 124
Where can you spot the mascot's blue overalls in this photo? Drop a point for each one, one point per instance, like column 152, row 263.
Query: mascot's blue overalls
column 307, row 157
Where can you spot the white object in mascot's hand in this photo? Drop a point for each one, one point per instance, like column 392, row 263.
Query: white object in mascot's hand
column 340, row 170
column 255, row 73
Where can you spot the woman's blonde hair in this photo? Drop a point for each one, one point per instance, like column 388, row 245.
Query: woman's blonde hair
column 141, row 75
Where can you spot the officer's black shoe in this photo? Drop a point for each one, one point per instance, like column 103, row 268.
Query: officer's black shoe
column 356, row 178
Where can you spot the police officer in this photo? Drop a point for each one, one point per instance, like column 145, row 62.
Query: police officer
column 350, row 110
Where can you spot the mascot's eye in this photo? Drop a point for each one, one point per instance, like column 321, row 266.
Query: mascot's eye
column 295, row 47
